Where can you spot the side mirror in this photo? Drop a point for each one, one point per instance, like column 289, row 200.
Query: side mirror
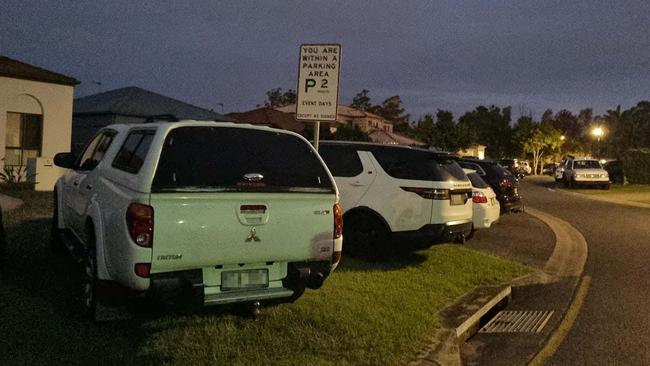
column 65, row 160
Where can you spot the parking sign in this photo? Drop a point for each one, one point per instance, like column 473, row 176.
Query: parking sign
column 318, row 82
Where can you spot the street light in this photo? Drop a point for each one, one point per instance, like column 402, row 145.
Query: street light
column 598, row 132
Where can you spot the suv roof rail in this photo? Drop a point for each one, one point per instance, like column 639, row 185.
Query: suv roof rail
column 161, row 117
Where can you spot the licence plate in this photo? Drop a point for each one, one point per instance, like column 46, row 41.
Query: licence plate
column 458, row 199
column 244, row 280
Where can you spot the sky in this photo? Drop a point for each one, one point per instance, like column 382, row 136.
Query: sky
column 452, row 55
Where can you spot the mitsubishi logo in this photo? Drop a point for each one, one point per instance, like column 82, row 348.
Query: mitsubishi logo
column 252, row 236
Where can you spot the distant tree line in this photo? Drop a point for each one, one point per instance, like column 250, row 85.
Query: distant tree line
column 553, row 135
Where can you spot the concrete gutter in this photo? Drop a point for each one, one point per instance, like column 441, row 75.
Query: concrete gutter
column 567, row 260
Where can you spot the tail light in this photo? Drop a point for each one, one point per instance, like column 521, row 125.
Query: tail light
column 338, row 221
column 338, row 231
column 429, row 193
column 142, row 269
column 139, row 221
column 504, row 183
column 479, row 197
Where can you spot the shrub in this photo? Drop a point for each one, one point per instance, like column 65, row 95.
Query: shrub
column 636, row 165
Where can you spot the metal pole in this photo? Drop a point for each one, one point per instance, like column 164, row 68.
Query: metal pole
column 316, row 134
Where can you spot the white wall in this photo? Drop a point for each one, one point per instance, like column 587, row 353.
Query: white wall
column 54, row 102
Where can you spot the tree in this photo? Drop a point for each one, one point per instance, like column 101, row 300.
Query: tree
column 392, row 110
column 361, row 101
column 490, row 127
column 276, row 98
column 350, row 133
column 544, row 139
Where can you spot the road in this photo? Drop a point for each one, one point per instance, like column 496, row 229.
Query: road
column 613, row 326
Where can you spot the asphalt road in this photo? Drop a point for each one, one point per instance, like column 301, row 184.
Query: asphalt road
column 613, row 326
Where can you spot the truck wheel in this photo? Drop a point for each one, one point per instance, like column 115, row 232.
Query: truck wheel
column 56, row 241
column 366, row 237
column 89, row 280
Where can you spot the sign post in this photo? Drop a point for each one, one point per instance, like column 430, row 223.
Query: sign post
column 318, row 84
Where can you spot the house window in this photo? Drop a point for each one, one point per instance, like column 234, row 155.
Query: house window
column 24, row 137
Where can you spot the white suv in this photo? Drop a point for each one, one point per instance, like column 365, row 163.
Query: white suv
column 209, row 213
column 585, row 172
column 396, row 197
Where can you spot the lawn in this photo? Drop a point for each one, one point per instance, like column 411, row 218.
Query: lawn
column 631, row 192
column 365, row 314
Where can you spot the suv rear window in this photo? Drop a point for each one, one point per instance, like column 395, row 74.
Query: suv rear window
column 218, row 158
column 414, row 164
column 476, row 180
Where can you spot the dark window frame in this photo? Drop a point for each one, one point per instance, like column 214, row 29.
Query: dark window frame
column 128, row 168
column 22, row 147
column 101, row 135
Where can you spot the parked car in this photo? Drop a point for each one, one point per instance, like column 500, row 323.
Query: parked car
column 525, row 167
column 485, row 206
column 397, row 198
column 512, row 165
column 504, row 184
column 615, row 170
column 3, row 243
column 549, row 168
column 585, row 172
column 204, row 212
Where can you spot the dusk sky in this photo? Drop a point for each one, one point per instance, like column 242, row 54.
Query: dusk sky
column 451, row 55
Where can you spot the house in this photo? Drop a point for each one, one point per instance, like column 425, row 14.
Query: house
column 475, row 150
column 392, row 138
column 269, row 117
column 35, row 120
column 129, row 105
column 346, row 115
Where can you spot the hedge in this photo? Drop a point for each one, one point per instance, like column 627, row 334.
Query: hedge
column 636, row 165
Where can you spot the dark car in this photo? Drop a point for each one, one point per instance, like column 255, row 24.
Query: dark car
column 549, row 168
column 504, row 183
column 615, row 170
column 2, row 241
column 512, row 165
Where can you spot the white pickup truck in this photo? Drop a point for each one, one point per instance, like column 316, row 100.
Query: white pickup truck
column 211, row 212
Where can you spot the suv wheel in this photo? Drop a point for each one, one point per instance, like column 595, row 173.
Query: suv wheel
column 56, row 241
column 365, row 236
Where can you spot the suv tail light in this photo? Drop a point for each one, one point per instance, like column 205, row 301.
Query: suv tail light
column 139, row 221
column 429, row 193
column 479, row 197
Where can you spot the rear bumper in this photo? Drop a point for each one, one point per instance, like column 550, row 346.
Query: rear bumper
column 430, row 234
column 187, row 289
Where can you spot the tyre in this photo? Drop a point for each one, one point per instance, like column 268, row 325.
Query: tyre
column 364, row 236
column 89, row 279
column 56, row 241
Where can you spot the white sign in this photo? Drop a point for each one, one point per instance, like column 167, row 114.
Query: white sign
column 318, row 82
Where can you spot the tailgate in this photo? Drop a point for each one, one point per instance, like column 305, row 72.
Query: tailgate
column 205, row 229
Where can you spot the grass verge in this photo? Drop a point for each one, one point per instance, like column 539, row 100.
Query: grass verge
column 631, row 192
column 365, row 314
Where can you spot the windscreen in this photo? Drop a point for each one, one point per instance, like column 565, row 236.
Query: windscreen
column 238, row 159
column 586, row 164
column 414, row 164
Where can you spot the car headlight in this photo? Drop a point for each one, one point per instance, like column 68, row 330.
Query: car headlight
column 605, row 175
column 580, row 175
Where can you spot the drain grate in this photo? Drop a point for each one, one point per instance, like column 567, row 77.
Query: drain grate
column 520, row 321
